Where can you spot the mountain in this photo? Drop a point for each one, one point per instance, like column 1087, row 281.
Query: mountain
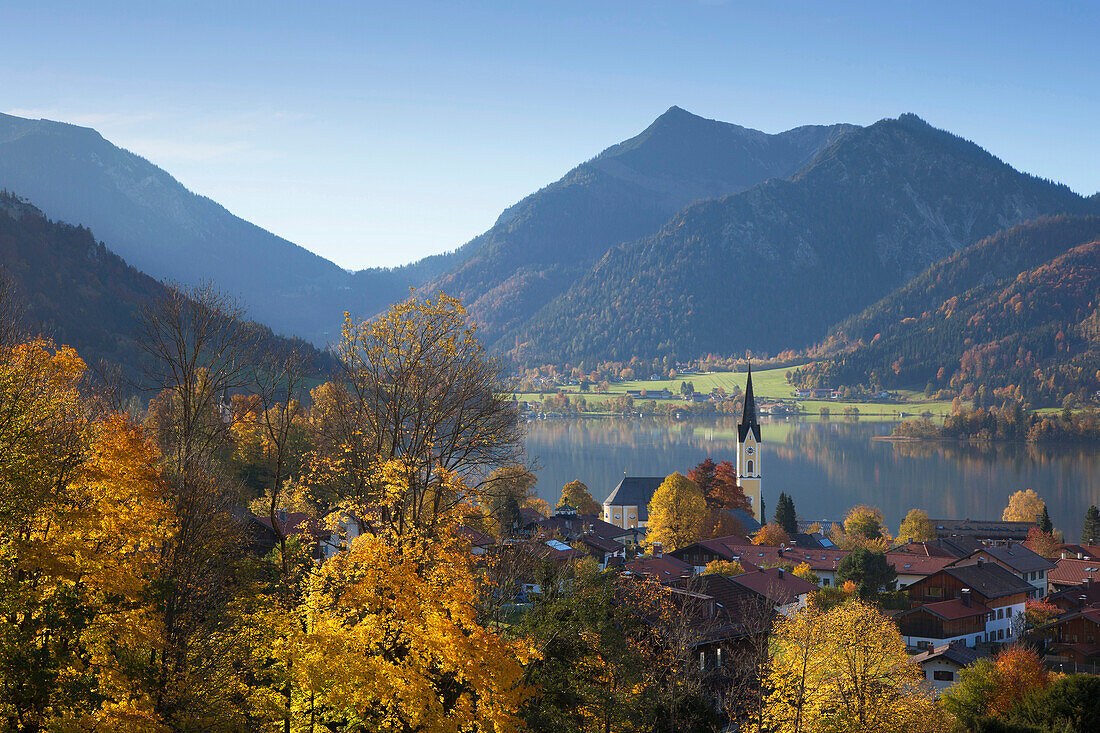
column 772, row 267
column 158, row 226
column 79, row 293
column 1017, row 314
column 540, row 246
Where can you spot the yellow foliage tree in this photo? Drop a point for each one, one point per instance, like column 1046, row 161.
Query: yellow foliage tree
column 723, row 567
column 676, row 513
column 916, row 527
column 845, row 669
column 772, row 535
column 1023, row 506
column 82, row 518
column 393, row 644
column 863, row 527
column 577, row 495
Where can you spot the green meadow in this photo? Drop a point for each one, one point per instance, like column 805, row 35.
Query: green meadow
column 771, row 384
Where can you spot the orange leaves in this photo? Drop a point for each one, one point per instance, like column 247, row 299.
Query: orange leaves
column 772, row 535
column 1017, row 671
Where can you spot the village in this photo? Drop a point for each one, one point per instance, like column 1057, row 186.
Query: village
column 959, row 590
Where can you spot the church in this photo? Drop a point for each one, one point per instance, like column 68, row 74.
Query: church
column 628, row 504
column 748, row 453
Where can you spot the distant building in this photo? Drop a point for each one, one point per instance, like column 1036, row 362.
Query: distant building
column 1020, row 561
column 941, row 664
column 971, row 603
column 627, row 506
column 983, row 530
column 748, row 453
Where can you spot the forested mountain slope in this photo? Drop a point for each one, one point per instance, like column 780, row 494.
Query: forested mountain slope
column 77, row 292
column 540, row 246
column 150, row 219
column 1017, row 314
column 773, row 267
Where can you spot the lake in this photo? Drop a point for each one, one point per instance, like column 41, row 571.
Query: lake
column 826, row 466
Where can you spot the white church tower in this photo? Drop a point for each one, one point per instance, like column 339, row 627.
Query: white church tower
column 748, row 453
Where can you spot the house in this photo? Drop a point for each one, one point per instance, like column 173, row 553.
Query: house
column 1072, row 572
column 957, row 546
column 941, row 664
column 784, row 590
column 666, row 569
column 958, row 620
column 983, row 530
column 972, row 603
column 1074, row 638
column 1074, row 597
column 627, row 506
column 1079, row 552
column 479, row 541
column 911, row 567
column 311, row 532
column 1018, row 560
column 823, row 562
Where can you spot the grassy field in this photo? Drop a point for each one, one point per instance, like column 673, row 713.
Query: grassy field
column 771, row 384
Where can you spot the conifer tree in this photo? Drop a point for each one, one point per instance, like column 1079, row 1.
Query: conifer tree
column 1091, row 530
column 785, row 515
column 1044, row 521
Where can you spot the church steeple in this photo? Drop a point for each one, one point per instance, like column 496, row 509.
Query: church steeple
column 748, row 414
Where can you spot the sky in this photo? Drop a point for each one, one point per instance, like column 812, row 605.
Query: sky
column 377, row 133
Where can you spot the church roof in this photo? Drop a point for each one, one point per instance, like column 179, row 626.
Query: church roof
column 635, row 491
column 748, row 415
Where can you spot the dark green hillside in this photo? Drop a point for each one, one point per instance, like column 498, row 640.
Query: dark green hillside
column 77, row 292
column 1017, row 314
column 540, row 246
column 773, row 267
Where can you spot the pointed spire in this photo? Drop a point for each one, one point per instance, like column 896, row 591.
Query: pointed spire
column 748, row 415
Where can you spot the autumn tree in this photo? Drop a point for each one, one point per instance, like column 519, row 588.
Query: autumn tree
column 993, row 688
column 863, row 527
column 418, row 392
column 82, row 517
column 845, row 669
column 1024, row 506
column 723, row 567
column 1042, row 543
column 392, row 643
column 577, row 495
column 916, row 527
column 772, row 535
column 676, row 513
column 506, row 491
column 199, row 347
column 718, row 482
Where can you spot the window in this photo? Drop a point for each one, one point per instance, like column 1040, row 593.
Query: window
column 1008, row 612
column 934, row 592
column 1042, row 574
column 1000, row 634
column 702, row 660
column 748, row 471
column 824, row 581
column 977, row 640
column 1000, row 613
column 943, row 675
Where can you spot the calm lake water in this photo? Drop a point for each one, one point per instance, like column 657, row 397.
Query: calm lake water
column 825, row 466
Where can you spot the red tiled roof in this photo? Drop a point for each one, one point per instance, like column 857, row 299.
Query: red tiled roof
column 297, row 523
column 955, row 609
column 775, row 584
column 476, row 538
column 664, row 568
column 1074, row 572
column 910, row 564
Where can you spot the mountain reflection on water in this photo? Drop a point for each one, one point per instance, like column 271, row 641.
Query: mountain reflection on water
column 826, row 466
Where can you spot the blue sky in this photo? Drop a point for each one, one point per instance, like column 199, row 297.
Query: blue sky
column 376, row 133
